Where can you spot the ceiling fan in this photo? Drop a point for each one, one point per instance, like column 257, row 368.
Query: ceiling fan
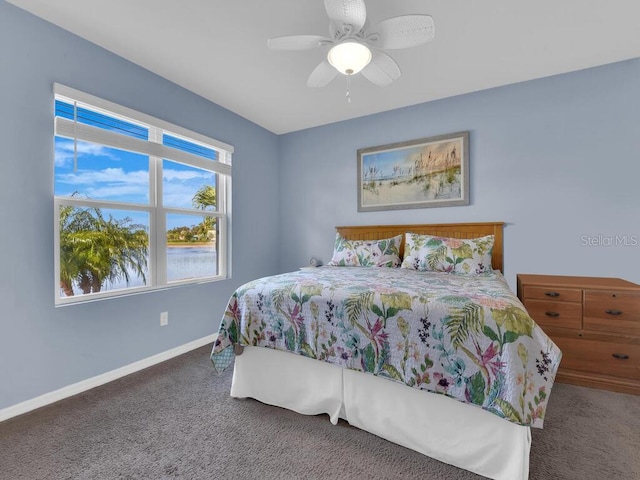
column 356, row 47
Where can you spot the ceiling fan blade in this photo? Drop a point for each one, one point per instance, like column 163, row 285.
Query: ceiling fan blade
column 404, row 31
column 322, row 75
column 382, row 70
column 347, row 12
column 297, row 42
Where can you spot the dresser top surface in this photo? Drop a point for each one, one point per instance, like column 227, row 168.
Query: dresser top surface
column 577, row 282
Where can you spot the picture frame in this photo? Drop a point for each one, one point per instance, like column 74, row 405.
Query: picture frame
column 424, row 173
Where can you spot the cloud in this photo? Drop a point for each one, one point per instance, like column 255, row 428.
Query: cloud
column 171, row 175
column 178, row 195
column 110, row 176
column 179, row 186
column 116, row 183
column 107, row 184
column 117, row 192
column 64, row 151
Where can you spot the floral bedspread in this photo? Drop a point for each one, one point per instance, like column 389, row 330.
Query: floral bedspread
column 464, row 336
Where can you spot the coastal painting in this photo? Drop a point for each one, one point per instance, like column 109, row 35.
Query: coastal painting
column 430, row 172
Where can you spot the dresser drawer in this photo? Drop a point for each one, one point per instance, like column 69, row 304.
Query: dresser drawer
column 552, row 293
column 555, row 314
column 611, row 311
column 615, row 359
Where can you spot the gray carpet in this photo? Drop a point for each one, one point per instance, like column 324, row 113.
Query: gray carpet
column 176, row 420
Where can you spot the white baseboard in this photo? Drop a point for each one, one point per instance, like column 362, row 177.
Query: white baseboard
column 88, row 384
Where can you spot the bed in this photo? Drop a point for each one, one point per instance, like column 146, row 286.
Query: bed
column 445, row 361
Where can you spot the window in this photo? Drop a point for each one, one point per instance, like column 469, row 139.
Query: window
column 140, row 204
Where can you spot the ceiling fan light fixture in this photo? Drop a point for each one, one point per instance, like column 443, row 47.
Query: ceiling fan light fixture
column 349, row 57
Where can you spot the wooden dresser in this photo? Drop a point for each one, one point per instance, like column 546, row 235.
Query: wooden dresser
column 596, row 324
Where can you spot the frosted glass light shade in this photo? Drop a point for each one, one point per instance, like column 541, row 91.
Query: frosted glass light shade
column 349, row 57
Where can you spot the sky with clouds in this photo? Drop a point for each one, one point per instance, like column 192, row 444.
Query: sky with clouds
column 105, row 173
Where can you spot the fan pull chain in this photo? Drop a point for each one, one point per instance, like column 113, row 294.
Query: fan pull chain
column 348, row 94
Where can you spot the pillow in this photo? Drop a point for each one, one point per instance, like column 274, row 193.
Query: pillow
column 471, row 256
column 366, row 253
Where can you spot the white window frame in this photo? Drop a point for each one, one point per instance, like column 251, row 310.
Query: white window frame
column 157, row 275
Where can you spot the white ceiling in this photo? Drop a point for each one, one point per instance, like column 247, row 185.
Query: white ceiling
column 218, row 50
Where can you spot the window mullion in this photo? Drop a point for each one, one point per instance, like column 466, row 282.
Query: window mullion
column 159, row 253
column 56, row 248
column 224, row 225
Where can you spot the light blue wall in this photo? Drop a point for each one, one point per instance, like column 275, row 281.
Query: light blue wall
column 556, row 158
column 43, row 348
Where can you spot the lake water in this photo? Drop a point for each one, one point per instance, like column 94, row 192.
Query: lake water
column 190, row 262
column 182, row 263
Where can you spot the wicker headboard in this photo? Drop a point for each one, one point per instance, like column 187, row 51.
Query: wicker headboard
column 454, row 230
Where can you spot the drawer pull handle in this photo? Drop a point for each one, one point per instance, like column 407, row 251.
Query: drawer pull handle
column 613, row 312
column 552, row 294
column 621, row 356
column 552, row 314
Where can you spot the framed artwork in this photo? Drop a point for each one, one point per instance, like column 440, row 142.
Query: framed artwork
column 431, row 172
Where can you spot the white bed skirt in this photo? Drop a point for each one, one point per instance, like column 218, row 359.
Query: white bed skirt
column 434, row 425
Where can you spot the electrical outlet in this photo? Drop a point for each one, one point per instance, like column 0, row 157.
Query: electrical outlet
column 164, row 318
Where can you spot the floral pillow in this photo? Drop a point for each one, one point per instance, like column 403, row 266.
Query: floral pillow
column 452, row 255
column 366, row 253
